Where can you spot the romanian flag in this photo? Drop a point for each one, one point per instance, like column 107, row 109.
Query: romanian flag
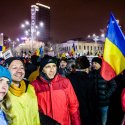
column 63, row 55
column 39, row 52
column 114, row 51
column 72, row 52
column 2, row 48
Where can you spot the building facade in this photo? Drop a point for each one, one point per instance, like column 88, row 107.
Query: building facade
column 80, row 47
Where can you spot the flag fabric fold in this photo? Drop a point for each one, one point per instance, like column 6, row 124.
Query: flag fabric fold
column 114, row 51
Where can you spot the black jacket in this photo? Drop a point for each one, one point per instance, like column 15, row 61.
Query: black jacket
column 85, row 93
column 46, row 120
column 104, row 89
column 115, row 112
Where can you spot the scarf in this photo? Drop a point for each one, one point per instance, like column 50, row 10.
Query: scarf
column 18, row 91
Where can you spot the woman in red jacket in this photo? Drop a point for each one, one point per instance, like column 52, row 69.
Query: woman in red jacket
column 55, row 94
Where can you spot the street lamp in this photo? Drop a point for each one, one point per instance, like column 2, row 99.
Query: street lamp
column 96, row 38
column 27, row 34
column 27, row 30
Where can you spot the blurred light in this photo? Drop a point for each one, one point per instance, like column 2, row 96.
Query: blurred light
column 41, row 24
column 18, row 39
column 103, row 35
column 43, row 5
column 117, row 21
column 26, row 32
column 27, row 23
column 22, row 44
column 93, row 35
column 23, row 38
column 36, row 27
column 1, row 34
column 22, row 25
column 9, row 39
column 38, row 33
column 88, row 36
column 51, row 49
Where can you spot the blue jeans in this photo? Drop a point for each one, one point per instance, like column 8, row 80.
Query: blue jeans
column 103, row 111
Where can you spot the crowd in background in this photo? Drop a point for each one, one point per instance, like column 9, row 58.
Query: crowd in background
column 52, row 91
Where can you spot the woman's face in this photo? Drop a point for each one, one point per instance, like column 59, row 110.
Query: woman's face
column 4, row 84
column 17, row 70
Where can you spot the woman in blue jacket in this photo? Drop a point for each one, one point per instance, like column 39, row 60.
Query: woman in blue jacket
column 5, row 105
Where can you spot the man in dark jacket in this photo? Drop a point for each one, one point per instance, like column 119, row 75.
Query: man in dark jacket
column 104, row 89
column 63, row 70
column 85, row 91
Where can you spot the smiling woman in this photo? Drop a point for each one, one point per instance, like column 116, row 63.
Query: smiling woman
column 5, row 105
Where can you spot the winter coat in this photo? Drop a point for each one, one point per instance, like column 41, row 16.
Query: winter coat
column 115, row 107
column 63, row 71
column 57, row 99
column 25, row 108
column 103, row 88
column 86, row 95
column 3, row 120
column 123, row 105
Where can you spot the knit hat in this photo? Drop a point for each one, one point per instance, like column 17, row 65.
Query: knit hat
column 84, row 62
column 97, row 59
column 4, row 72
column 47, row 59
column 63, row 59
column 8, row 61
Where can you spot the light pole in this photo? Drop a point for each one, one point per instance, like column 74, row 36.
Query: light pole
column 27, row 33
column 96, row 38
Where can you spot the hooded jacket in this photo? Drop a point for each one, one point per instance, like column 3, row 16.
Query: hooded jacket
column 57, row 99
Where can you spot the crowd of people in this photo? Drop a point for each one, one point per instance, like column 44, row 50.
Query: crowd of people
column 51, row 91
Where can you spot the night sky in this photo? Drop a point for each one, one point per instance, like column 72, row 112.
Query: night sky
column 69, row 18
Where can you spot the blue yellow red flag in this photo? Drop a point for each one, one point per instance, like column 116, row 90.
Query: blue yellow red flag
column 2, row 48
column 114, row 51
column 38, row 52
column 72, row 52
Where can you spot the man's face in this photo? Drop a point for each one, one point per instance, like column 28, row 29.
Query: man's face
column 50, row 70
column 63, row 64
column 96, row 65
column 17, row 70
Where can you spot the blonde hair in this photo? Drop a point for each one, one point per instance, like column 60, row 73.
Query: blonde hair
column 6, row 108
